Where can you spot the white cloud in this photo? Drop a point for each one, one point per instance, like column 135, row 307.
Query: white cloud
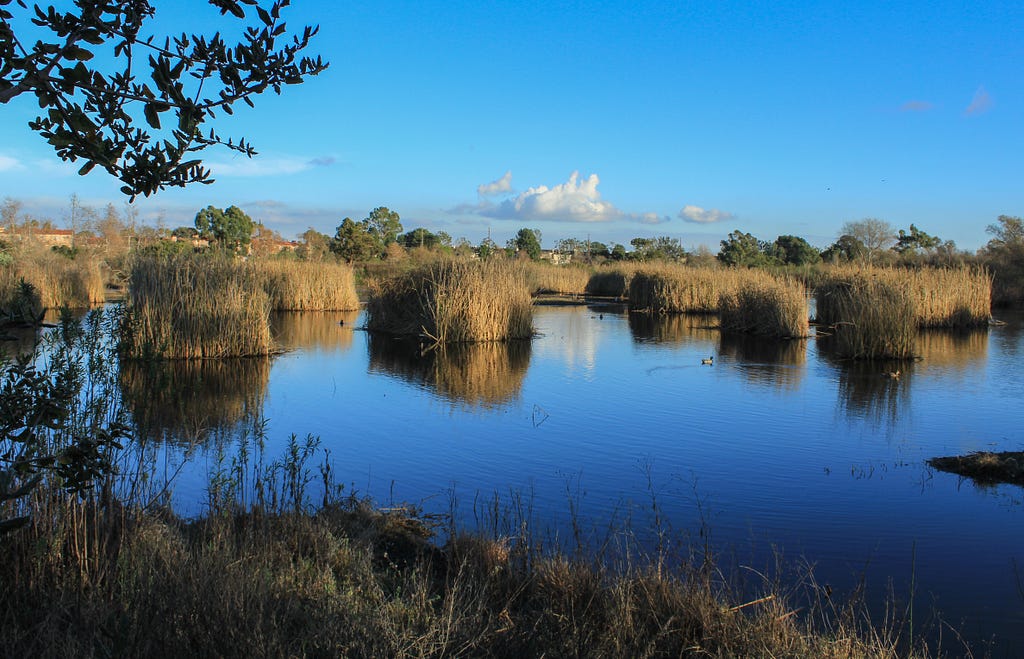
column 503, row 184
column 573, row 201
column 691, row 213
column 981, row 103
column 8, row 164
column 258, row 166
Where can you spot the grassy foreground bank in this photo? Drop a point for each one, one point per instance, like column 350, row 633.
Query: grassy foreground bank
column 94, row 578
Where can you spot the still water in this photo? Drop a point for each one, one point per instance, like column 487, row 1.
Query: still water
column 776, row 448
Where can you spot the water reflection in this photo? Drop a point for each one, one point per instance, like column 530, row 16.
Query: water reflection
column 674, row 328
column 319, row 330
column 185, row 401
column 481, row 374
column 868, row 391
column 775, row 363
column 957, row 351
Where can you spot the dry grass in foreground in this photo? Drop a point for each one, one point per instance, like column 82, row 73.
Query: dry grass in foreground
column 454, row 302
column 90, row 579
column 985, row 468
column 59, row 281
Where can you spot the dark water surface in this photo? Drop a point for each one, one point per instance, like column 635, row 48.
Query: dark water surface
column 776, row 448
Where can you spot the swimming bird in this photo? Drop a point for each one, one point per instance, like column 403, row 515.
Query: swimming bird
column 710, row 361
column 895, row 375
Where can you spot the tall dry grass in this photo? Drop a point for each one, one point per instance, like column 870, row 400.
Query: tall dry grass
column 770, row 306
column 454, row 302
column 942, row 297
column 194, row 307
column 682, row 289
column 612, row 280
column 868, row 317
column 559, row 279
column 308, row 286
column 60, row 282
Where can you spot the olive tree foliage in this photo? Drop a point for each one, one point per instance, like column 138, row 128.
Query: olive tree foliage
column 134, row 103
column 229, row 229
column 741, row 249
column 910, row 242
column 527, row 241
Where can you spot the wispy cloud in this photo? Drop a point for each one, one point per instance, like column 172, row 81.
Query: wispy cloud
column 699, row 215
column 576, row 200
column 8, row 164
column 266, row 166
column 916, row 106
column 503, row 184
column 980, row 104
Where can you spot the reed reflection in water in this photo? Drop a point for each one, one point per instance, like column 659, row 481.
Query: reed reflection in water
column 672, row 328
column 474, row 374
column 768, row 362
column 316, row 330
column 188, row 401
column 960, row 352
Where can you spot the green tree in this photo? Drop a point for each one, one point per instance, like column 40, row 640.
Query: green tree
column 1007, row 232
column 487, row 249
column 315, row 246
column 528, row 242
column 420, row 237
column 741, row 249
column 909, row 242
column 845, row 250
column 353, row 242
column 96, row 71
column 229, row 229
column 384, row 225
column 619, row 252
column 794, row 250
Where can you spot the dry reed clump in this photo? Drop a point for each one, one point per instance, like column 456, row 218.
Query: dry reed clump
column 60, row 282
column 682, row 289
column 559, row 279
column 775, row 307
column 308, row 286
column 942, row 297
column 869, row 317
column 611, row 280
column 454, row 302
column 951, row 297
column 194, row 307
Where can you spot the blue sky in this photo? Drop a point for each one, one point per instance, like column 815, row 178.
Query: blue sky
column 610, row 119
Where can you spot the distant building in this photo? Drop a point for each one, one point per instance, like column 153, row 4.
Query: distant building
column 48, row 237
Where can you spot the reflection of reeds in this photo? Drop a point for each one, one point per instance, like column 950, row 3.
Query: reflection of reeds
column 564, row 279
column 195, row 306
column 765, row 361
column 775, row 307
column 60, row 282
column 959, row 349
column 867, row 391
column 308, row 286
column 676, row 328
column 185, row 399
column 296, row 330
column 682, row 289
column 454, row 302
column 869, row 317
column 485, row 374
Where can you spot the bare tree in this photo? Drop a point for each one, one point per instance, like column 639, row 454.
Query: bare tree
column 876, row 235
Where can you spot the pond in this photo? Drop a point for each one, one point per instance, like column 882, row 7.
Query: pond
column 775, row 449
